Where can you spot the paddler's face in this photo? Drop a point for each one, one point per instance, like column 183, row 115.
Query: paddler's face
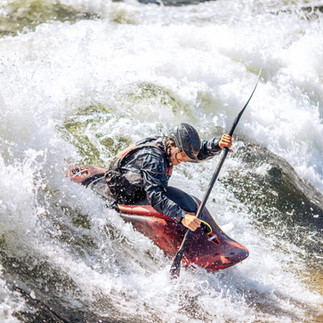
column 177, row 156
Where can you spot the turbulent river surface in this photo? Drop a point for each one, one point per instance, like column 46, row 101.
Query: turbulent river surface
column 81, row 79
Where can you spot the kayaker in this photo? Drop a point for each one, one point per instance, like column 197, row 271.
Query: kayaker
column 140, row 173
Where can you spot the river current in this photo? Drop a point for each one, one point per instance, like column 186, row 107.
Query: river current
column 80, row 80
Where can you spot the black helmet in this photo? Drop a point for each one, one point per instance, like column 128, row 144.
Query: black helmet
column 187, row 139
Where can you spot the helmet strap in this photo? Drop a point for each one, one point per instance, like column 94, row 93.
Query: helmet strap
column 175, row 151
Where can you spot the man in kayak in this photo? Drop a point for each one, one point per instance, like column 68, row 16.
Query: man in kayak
column 140, row 173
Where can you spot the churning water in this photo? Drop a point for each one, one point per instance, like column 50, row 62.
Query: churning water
column 80, row 79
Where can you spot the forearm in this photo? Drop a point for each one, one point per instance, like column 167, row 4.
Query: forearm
column 209, row 149
column 162, row 204
column 213, row 147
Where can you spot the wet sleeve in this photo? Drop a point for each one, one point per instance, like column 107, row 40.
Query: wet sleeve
column 155, row 183
column 209, row 149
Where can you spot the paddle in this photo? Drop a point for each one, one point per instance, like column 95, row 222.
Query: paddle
column 176, row 266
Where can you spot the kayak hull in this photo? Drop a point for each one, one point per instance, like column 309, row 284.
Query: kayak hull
column 213, row 251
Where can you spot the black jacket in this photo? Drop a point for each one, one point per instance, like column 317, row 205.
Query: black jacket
column 145, row 170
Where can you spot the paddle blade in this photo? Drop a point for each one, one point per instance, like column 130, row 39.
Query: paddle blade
column 175, row 269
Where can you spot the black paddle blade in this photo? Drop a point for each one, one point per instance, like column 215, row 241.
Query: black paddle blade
column 175, row 269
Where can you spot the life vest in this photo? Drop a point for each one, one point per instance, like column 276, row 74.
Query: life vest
column 118, row 186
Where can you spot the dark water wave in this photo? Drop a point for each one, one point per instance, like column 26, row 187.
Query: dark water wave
column 282, row 204
column 50, row 293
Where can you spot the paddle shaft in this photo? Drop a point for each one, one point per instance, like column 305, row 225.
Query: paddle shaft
column 175, row 268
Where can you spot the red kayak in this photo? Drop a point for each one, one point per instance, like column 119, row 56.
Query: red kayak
column 208, row 247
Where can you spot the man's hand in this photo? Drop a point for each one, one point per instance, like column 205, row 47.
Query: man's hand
column 191, row 222
column 225, row 142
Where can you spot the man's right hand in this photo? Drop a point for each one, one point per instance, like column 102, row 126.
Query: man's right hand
column 225, row 142
column 191, row 222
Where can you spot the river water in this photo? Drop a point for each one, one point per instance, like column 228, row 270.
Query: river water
column 80, row 79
